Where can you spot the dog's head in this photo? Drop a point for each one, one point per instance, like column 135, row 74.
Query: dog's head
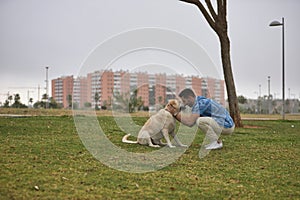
column 173, row 104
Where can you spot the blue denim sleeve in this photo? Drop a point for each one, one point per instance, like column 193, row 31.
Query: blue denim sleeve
column 196, row 108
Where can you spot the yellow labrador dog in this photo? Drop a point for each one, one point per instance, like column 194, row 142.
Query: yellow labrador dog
column 157, row 127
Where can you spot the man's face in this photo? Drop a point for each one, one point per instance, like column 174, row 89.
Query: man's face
column 188, row 101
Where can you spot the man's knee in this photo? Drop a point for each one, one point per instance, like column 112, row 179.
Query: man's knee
column 204, row 121
column 228, row 131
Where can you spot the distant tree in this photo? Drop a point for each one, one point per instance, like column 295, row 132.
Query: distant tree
column 135, row 102
column 69, row 100
column 152, row 95
column 39, row 104
column 45, row 99
column 31, row 100
column 140, row 103
column 96, row 98
column 242, row 99
column 104, row 106
column 17, row 98
column 160, row 100
column 54, row 104
column 17, row 102
column 128, row 103
column 51, row 104
column 145, row 108
column 10, row 98
column 217, row 19
column 6, row 104
column 121, row 101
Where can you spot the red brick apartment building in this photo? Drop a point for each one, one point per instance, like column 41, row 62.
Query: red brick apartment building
column 152, row 88
column 62, row 88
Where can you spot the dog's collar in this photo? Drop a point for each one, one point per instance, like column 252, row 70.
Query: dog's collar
column 174, row 115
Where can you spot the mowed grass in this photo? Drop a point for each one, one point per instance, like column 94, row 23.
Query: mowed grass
column 43, row 158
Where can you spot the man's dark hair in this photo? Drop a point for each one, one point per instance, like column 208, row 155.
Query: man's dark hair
column 187, row 93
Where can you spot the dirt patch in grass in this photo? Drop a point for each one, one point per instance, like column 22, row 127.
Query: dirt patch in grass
column 252, row 126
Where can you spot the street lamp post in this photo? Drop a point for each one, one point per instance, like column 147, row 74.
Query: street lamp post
column 276, row 23
column 47, row 88
column 269, row 90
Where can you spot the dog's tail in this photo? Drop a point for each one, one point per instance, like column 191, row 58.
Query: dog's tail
column 125, row 140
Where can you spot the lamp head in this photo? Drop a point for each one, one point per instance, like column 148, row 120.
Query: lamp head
column 275, row 23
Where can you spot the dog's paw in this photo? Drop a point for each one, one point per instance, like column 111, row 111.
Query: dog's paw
column 183, row 145
column 172, row 146
column 154, row 145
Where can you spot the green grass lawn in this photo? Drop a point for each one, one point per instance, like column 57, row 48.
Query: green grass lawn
column 43, row 158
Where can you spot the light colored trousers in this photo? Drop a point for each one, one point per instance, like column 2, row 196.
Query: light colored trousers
column 212, row 129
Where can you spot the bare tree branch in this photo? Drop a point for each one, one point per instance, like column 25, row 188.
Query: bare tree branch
column 219, row 4
column 211, row 9
column 225, row 6
column 206, row 15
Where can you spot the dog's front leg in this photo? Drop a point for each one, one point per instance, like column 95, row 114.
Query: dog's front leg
column 152, row 145
column 162, row 143
column 177, row 140
column 144, row 138
column 166, row 136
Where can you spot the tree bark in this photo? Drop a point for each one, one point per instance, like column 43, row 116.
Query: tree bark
column 229, row 81
column 218, row 23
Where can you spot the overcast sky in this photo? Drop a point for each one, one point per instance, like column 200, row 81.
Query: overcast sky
column 62, row 33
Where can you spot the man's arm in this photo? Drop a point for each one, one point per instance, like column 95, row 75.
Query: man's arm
column 187, row 119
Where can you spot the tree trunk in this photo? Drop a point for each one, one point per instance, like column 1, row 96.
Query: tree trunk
column 217, row 21
column 229, row 81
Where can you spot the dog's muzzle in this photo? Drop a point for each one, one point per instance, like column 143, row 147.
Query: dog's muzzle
column 182, row 107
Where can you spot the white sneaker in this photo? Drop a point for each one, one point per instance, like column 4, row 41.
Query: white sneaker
column 214, row 145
